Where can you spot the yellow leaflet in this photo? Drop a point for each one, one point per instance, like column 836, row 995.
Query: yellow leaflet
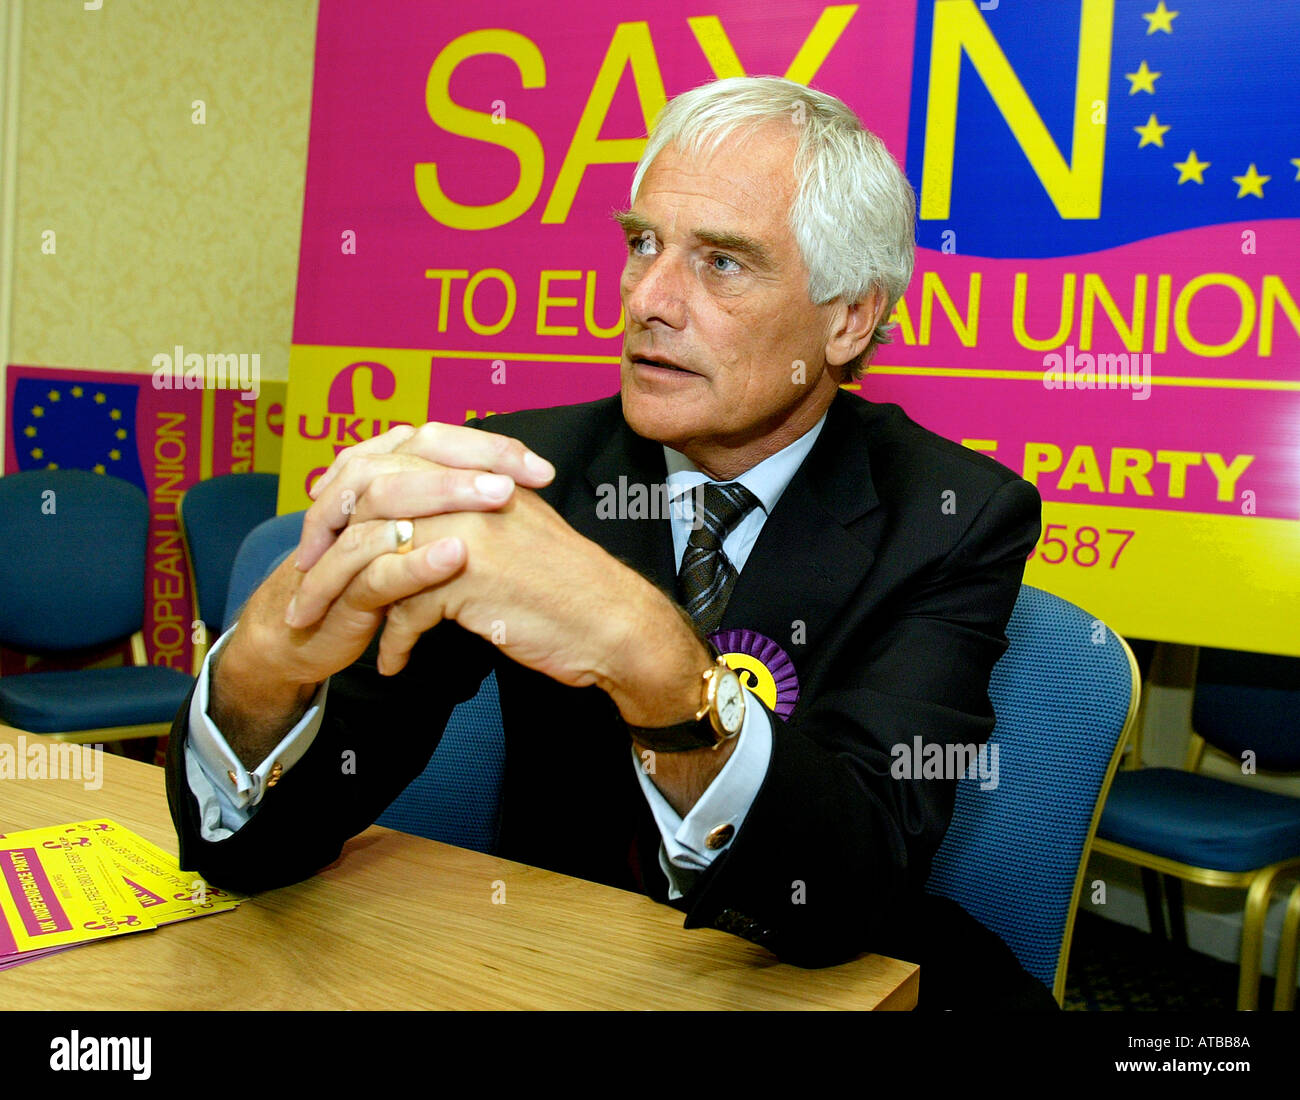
column 160, row 886
column 148, row 873
column 56, row 889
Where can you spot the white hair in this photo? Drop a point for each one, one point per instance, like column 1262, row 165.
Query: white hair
column 854, row 211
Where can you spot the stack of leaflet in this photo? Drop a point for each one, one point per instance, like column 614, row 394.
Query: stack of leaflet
column 66, row 885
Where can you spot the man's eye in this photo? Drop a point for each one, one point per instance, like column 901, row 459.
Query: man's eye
column 644, row 245
column 723, row 263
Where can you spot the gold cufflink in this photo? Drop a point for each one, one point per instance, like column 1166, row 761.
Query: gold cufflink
column 271, row 780
column 719, row 837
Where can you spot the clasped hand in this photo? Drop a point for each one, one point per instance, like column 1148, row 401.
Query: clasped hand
column 487, row 552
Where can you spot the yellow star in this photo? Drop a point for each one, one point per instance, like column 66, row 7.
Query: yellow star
column 29, row 431
column 77, row 391
column 1160, row 20
column 1252, row 183
column 1296, row 162
column 114, row 454
column 1144, row 80
column 1152, row 133
column 37, row 452
column 1191, row 168
column 51, row 465
column 116, row 414
column 99, row 468
column 54, row 395
column 100, row 399
column 38, row 410
column 120, row 433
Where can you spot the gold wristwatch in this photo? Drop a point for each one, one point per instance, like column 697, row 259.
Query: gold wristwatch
column 719, row 719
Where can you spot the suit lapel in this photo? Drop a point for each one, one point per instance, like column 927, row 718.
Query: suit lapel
column 625, row 465
column 819, row 543
column 812, row 554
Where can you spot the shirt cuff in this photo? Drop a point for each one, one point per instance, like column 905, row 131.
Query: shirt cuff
column 688, row 846
column 227, row 792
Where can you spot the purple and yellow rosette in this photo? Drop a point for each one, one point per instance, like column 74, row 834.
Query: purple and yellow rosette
column 762, row 666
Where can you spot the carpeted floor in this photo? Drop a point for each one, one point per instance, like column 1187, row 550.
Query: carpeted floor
column 1117, row 968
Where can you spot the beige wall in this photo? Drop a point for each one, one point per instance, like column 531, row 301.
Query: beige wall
column 167, row 232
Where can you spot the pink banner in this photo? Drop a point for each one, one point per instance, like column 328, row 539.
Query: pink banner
column 126, row 426
column 438, row 103
column 1106, row 297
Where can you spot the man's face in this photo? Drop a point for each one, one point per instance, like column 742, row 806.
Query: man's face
column 719, row 321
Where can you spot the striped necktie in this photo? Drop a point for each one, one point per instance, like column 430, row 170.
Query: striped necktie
column 707, row 577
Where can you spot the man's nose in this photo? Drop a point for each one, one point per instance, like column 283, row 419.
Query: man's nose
column 657, row 291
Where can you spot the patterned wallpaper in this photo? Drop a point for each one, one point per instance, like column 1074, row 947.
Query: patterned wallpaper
column 166, row 231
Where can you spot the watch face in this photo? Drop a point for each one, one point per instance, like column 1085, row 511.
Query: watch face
column 730, row 702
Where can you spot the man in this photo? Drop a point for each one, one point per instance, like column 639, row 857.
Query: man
column 862, row 568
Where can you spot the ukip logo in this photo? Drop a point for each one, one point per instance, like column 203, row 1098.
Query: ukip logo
column 340, row 423
column 762, row 666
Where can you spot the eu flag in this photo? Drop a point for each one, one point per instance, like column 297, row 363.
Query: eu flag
column 61, row 424
column 1199, row 116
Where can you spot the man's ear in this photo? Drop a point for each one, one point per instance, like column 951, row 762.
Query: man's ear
column 852, row 326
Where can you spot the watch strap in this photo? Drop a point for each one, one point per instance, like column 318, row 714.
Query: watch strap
column 698, row 733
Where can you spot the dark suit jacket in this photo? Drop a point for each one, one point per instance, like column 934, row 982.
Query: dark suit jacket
column 887, row 572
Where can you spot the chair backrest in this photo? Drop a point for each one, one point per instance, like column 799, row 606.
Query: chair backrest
column 1064, row 695
column 457, row 798
column 73, row 564
column 1249, row 702
column 215, row 515
column 261, row 550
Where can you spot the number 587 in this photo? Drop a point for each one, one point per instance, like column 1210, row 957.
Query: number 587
column 1086, row 549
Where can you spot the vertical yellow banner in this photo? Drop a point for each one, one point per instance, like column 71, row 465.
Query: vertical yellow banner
column 340, row 396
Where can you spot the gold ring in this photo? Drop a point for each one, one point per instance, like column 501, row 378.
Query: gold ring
column 404, row 535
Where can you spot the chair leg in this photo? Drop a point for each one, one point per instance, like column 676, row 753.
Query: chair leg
column 1155, row 903
column 1252, row 936
column 1284, row 994
column 1177, row 919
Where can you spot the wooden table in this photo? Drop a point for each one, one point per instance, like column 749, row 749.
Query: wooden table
column 403, row 922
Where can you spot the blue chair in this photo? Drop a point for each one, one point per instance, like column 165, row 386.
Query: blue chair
column 214, row 516
column 457, row 798
column 1284, row 994
column 1196, row 828
column 1064, row 695
column 72, row 580
column 263, row 548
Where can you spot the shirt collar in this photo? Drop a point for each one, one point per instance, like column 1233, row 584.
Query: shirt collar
column 767, row 481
